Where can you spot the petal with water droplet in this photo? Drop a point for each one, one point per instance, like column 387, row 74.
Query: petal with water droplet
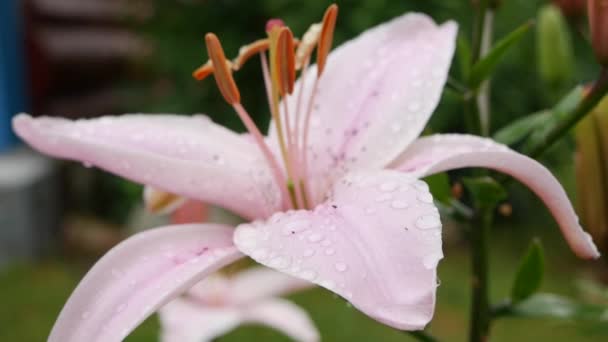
column 397, row 257
column 391, row 75
column 184, row 155
column 155, row 267
column 440, row 153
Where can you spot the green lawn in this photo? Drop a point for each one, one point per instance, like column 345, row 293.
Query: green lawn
column 32, row 295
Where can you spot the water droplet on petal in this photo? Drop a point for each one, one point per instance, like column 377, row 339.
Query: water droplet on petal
column 330, row 251
column 384, row 197
column 428, row 222
column 308, row 274
column 309, row 252
column 389, row 186
column 425, row 197
column 398, row 204
column 315, row 237
column 341, row 267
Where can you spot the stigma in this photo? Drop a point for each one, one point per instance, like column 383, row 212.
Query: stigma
column 282, row 56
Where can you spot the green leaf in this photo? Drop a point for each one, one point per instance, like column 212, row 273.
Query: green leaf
column 530, row 273
column 485, row 191
column 484, row 68
column 558, row 112
column 463, row 51
column 518, row 130
column 440, row 187
column 545, row 305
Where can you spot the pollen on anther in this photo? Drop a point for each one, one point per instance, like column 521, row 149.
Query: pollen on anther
column 222, row 72
column 327, row 36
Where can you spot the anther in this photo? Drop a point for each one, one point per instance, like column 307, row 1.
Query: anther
column 221, row 70
column 203, row 71
column 327, row 36
column 285, row 61
column 308, row 43
column 248, row 51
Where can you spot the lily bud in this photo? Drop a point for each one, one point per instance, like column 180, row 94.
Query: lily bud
column 554, row 47
column 598, row 22
column 592, row 173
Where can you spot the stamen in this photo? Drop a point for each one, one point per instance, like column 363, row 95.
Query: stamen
column 307, row 45
column 274, row 23
column 203, row 71
column 327, row 36
column 285, row 60
column 248, row 51
column 221, row 71
column 229, row 90
column 274, row 165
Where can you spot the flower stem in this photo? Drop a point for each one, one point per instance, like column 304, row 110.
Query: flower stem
column 480, row 305
column 588, row 103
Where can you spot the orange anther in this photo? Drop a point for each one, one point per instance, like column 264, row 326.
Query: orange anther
column 327, row 36
column 307, row 44
column 222, row 72
column 285, row 60
column 203, row 71
column 250, row 50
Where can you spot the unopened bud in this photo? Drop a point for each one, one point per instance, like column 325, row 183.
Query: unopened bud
column 591, row 164
column 598, row 21
column 555, row 54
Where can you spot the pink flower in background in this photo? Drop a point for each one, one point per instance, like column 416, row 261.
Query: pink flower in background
column 345, row 209
column 219, row 304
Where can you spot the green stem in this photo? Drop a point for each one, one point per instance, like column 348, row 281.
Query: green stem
column 422, row 336
column 480, row 305
column 599, row 90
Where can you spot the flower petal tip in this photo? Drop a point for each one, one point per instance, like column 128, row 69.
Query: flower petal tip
column 21, row 123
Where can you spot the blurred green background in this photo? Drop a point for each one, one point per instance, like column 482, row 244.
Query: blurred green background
column 33, row 293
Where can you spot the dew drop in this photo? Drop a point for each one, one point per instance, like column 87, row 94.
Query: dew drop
column 85, row 315
column 428, row 222
column 341, row 267
column 325, row 243
column 309, row 252
column 315, row 237
column 308, row 274
column 388, row 186
column 384, row 197
column 121, row 308
column 425, row 197
column 330, row 251
column 398, row 204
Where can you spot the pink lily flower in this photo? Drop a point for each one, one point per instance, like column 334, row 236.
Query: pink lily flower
column 219, row 304
column 333, row 193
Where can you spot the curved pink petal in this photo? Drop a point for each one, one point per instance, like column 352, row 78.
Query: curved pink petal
column 184, row 155
column 375, row 242
column 445, row 152
column 261, row 282
column 138, row 276
column 184, row 320
column 284, row 316
column 377, row 93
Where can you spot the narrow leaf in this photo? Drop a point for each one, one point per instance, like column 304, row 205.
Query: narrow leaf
column 519, row 129
column 530, row 273
column 484, row 68
column 545, row 305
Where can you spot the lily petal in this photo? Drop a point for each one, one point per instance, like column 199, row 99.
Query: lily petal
column 377, row 93
column 184, row 320
column 261, row 282
column 140, row 275
column 188, row 156
column 439, row 153
column 375, row 242
column 284, row 316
